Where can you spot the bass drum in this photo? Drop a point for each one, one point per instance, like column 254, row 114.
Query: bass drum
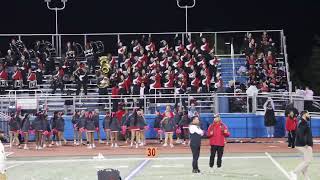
column 98, row 47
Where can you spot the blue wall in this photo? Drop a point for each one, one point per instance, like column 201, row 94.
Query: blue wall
column 240, row 125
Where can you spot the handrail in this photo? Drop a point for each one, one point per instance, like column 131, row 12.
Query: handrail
column 144, row 33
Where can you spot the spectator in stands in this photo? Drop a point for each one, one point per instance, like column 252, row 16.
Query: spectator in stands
column 308, row 99
column 269, row 117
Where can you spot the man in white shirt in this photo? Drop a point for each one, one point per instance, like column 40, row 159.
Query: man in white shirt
column 308, row 99
column 252, row 91
column 143, row 91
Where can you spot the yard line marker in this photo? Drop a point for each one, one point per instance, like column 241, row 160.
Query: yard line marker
column 123, row 159
column 278, row 165
column 135, row 171
column 9, row 167
column 9, row 153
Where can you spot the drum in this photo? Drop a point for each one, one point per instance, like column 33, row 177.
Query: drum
column 3, row 83
column 17, row 84
column 32, row 84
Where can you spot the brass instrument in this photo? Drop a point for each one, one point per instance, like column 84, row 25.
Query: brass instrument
column 104, row 83
column 104, row 65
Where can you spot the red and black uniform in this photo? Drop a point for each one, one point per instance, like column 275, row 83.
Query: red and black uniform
column 115, row 95
column 217, row 133
column 291, row 127
column 17, row 76
column 32, row 76
column 4, row 75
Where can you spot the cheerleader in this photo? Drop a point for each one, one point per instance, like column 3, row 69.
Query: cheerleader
column 135, row 131
column 114, row 128
column 47, row 132
column 60, row 129
column 25, row 127
column 38, row 126
column 75, row 122
column 90, row 128
column 106, row 127
column 177, row 118
column 184, row 123
column 81, row 127
column 96, row 124
column 14, row 126
column 53, row 123
column 124, row 125
column 142, row 126
column 156, row 126
column 168, row 125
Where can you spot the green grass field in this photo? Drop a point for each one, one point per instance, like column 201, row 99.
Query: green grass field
column 235, row 166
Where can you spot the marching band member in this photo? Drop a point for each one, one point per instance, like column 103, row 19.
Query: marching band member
column 150, row 47
column 31, row 78
column 57, row 79
column 81, row 79
column 205, row 47
column 17, row 76
column 4, row 80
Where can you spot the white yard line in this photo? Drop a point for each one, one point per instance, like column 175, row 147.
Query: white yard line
column 9, row 153
column 138, row 169
column 12, row 166
column 278, row 165
column 122, row 159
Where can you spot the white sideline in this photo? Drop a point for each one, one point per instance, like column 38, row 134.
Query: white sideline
column 278, row 165
column 135, row 171
column 123, row 159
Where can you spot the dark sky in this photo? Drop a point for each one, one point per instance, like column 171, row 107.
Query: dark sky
column 299, row 19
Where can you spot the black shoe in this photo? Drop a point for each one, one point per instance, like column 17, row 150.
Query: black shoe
column 195, row 171
column 198, row 170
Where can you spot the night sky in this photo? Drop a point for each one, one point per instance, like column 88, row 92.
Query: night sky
column 299, row 19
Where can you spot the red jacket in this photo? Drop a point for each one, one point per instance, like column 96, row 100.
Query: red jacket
column 291, row 123
column 216, row 134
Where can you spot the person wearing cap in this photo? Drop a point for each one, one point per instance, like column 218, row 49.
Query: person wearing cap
column 217, row 133
column 195, row 142
column 304, row 144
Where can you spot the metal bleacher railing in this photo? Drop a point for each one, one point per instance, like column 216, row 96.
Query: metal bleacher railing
column 205, row 103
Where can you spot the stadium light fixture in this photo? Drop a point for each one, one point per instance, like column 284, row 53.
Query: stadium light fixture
column 56, row 9
column 186, row 7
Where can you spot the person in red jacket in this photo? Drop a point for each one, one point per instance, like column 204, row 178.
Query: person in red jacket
column 291, row 126
column 217, row 133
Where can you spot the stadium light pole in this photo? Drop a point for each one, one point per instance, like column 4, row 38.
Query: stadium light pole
column 56, row 9
column 233, row 64
column 186, row 7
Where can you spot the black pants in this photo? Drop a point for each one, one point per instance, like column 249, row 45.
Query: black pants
column 195, row 156
column 57, row 84
column 219, row 151
column 84, row 85
column 291, row 138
